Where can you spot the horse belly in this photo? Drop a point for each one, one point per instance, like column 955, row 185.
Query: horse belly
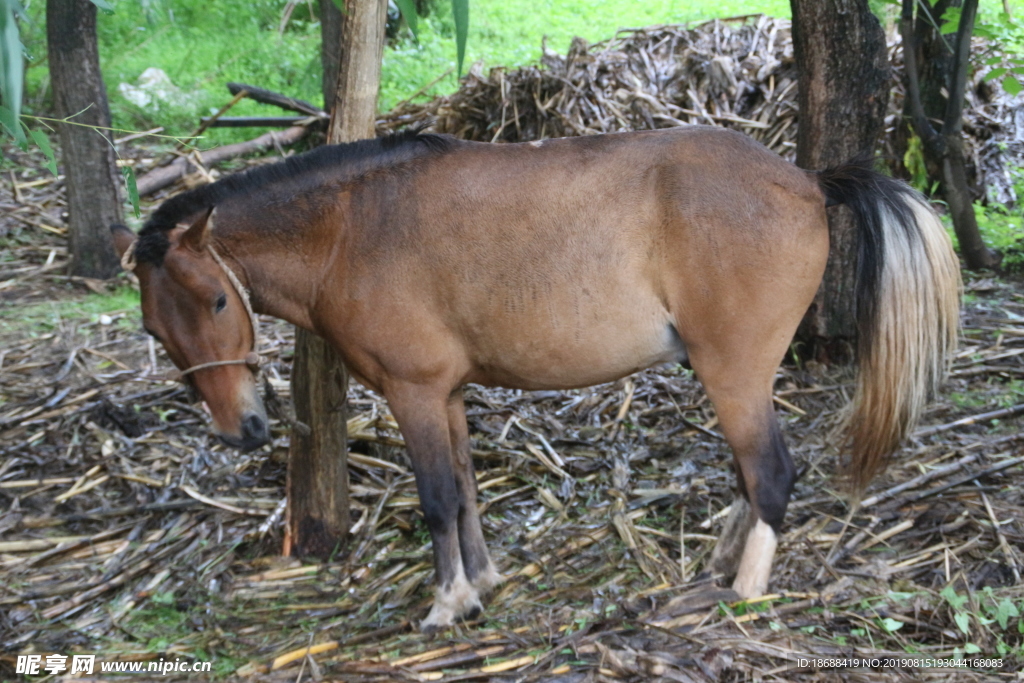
column 576, row 350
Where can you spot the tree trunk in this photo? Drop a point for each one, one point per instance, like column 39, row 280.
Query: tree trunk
column 330, row 50
column 318, row 509
column 936, row 81
column 90, row 167
column 934, row 57
column 843, row 93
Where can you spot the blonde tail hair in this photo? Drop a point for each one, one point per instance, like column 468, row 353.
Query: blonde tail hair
column 908, row 310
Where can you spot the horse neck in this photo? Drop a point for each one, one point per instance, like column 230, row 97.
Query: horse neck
column 283, row 276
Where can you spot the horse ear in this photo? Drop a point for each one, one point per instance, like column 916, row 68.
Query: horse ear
column 198, row 234
column 123, row 239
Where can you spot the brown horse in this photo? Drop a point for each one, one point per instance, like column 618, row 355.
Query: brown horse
column 430, row 263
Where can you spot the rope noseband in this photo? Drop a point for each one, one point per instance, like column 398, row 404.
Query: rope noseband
column 252, row 359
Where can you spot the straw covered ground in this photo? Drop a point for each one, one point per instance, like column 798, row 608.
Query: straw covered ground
column 128, row 531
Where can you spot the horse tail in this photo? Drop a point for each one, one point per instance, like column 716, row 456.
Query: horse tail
column 907, row 306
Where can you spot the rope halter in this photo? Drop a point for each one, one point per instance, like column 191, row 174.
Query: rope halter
column 252, row 359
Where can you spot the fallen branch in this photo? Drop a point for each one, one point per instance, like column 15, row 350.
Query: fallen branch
column 972, row 476
column 277, row 99
column 253, row 121
column 160, row 178
column 974, row 419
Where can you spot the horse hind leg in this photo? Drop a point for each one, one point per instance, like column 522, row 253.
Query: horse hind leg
column 768, row 476
column 764, row 472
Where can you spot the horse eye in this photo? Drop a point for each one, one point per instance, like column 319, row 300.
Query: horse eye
column 222, row 301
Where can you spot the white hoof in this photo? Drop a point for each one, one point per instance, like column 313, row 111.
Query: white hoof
column 756, row 564
column 488, row 579
column 460, row 600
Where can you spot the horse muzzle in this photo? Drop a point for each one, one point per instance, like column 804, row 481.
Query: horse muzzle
column 255, row 432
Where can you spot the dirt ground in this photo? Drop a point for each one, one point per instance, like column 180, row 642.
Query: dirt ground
column 128, row 531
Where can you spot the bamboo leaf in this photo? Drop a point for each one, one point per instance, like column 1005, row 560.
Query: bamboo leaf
column 1011, row 85
column 1005, row 611
column 133, row 191
column 994, row 73
column 408, row 10
column 891, row 625
column 39, row 137
column 460, row 10
column 950, row 20
column 11, row 71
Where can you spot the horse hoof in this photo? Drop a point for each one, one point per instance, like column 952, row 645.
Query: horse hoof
column 487, row 580
column 460, row 601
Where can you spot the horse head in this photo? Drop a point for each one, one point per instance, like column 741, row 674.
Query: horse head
column 196, row 308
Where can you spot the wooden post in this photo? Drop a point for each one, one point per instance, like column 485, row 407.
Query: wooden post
column 318, row 506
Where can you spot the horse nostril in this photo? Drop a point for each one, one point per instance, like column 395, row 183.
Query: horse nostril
column 254, row 427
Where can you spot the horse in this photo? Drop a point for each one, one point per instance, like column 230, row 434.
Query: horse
column 430, row 263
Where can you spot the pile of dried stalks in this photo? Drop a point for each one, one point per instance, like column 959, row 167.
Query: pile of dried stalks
column 738, row 73
column 734, row 73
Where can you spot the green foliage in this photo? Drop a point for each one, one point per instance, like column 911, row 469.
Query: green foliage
column 460, row 13
column 913, row 160
column 993, row 395
column 133, row 191
column 39, row 137
column 995, row 619
column 890, row 625
column 1001, row 228
column 1005, row 45
column 408, row 10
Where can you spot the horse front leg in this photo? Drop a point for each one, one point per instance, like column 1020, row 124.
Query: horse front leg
column 423, row 419
column 475, row 559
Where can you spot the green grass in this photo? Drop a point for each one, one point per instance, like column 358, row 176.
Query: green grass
column 48, row 316
column 203, row 45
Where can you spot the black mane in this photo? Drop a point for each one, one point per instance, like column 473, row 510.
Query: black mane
column 360, row 157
